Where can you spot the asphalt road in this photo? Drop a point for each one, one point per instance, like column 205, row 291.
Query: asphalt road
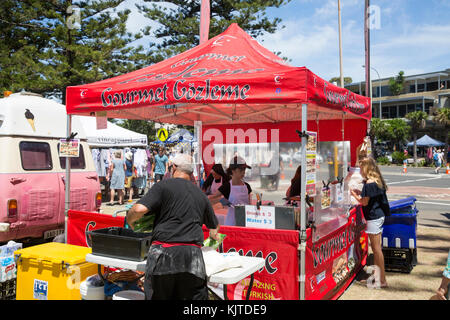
column 431, row 190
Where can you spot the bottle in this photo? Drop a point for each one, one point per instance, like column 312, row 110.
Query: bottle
column 353, row 180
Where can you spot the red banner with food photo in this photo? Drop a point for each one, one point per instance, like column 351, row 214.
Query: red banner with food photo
column 334, row 260
column 79, row 222
column 278, row 280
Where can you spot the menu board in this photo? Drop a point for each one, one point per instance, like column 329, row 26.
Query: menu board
column 262, row 218
column 69, row 148
column 311, row 163
column 326, row 198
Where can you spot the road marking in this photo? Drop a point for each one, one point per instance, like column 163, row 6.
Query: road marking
column 406, row 181
column 437, row 203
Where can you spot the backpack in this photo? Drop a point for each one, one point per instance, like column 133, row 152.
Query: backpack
column 436, row 157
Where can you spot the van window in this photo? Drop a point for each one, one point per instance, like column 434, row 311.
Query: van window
column 35, row 155
column 75, row 162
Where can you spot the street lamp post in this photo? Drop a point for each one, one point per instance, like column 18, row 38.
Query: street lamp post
column 340, row 45
column 379, row 87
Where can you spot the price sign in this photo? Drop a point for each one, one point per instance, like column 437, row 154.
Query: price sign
column 262, row 218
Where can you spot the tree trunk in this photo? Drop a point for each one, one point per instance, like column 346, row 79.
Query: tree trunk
column 415, row 148
column 446, row 146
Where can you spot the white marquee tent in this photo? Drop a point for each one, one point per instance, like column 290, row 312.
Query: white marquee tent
column 112, row 136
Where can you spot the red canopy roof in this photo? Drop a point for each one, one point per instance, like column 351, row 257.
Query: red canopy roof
column 229, row 79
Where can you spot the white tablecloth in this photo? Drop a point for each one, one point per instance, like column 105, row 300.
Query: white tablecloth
column 233, row 275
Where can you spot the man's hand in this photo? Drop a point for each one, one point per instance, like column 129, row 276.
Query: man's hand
column 214, row 234
column 135, row 213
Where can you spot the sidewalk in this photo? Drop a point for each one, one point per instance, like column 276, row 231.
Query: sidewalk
column 433, row 245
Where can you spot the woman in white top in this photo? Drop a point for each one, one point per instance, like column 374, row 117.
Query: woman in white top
column 216, row 178
column 236, row 190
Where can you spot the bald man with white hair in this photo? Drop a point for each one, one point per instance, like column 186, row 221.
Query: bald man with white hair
column 175, row 267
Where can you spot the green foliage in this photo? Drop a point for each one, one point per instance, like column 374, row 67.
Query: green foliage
column 398, row 157
column 378, row 129
column 397, row 131
column 383, row 160
column 417, row 119
column 396, row 85
column 141, row 126
column 45, row 47
column 180, row 22
column 144, row 224
column 443, row 116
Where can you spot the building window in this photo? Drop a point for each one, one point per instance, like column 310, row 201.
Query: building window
column 419, row 107
column 428, row 106
column 420, row 87
column 385, row 91
column 385, row 112
column 411, row 108
column 393, row 112
column 432, row 86
column 375, row 91
column 402, row 111
column 35, row 155
column 75, row 162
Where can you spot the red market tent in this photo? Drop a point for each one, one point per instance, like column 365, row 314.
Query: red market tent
column 228, row 80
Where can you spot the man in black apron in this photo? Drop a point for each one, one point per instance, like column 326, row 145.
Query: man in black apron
column 175, row 267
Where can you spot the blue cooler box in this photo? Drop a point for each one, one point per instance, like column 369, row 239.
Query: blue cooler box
column 400, row 228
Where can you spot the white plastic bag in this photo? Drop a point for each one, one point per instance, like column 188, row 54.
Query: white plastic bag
column 216, row 262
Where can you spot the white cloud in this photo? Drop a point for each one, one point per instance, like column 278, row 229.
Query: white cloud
column 401, row 43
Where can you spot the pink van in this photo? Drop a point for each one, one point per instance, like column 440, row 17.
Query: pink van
column 32, row 175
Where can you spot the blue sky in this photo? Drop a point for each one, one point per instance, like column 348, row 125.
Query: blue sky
column 412, row 35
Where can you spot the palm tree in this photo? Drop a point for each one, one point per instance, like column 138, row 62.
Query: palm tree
column 443, row 117
column 417, row 121
column 377, row 132
column 398, row 130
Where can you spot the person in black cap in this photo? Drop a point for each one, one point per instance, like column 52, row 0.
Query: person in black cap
column 236, row 190
column 175, row 267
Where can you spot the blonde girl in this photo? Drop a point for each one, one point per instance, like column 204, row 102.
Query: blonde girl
column 375, row 207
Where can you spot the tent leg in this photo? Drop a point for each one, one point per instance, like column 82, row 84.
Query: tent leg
column 67, row 181
column 303, row 204
column 198, row 132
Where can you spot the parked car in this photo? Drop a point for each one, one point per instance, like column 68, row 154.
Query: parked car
column 32, row 175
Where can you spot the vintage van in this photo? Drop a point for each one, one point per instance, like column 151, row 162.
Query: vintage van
column 32, row 175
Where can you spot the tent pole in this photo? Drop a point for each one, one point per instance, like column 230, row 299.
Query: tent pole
column 303, row 204
column 67, row 180
column 198, row 132
column 344, row 150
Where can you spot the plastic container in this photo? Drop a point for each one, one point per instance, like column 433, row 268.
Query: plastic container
column 353, row 180
column 89, row 292
column 129, row 295
column 8, row 290
column 52, row 271
column 399, row 260
column 400, row 228
column 121, row 243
